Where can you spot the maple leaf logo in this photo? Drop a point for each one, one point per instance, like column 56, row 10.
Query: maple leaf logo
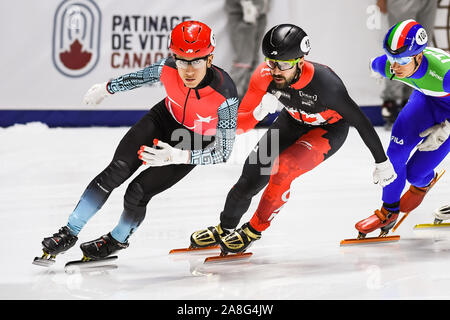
column 75, row 59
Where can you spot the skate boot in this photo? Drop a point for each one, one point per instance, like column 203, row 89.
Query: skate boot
column 412, row 198
column 441, row 214
column 382, row 219
column 101, row 248
column 208, row 237
column 60, row 242
column 239, row 240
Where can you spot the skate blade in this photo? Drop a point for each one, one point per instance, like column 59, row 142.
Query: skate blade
column 187, row 250
column 431, row 226
column 370, row 240
column 228, row 257
column 400, row 221
column 43, row 262
column 90, row 265
column 439, row 175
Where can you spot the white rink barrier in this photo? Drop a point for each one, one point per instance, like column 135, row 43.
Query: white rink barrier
column 53, row 51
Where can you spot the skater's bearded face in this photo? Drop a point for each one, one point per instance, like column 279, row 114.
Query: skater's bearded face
column 193, row 70
column 284, row 78
column 407, row 70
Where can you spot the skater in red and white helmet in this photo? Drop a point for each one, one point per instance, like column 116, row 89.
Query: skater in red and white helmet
column 201, row 105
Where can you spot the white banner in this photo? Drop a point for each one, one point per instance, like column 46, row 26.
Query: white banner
column 53, row 51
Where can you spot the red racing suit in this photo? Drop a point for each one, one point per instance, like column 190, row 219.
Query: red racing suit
column 312, row 126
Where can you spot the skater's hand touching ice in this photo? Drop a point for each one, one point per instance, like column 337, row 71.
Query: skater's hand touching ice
column 436, row 136
column 96, row 94
column 269, row 104
column 162, row 154
column 384, row 173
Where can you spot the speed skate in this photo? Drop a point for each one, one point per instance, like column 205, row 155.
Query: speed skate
column 370, row 240
column 433, row 225
column 84, row 264
column 224, row 257
column 219, row 258
column 384, row 230
column 192, row 249
column 46, row 260
column 441, row 214
column 89, row 265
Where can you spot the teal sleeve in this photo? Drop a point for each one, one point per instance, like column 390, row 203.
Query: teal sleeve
column 148, row 75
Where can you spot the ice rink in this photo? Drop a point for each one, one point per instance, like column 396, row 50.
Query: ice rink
column 44, row 171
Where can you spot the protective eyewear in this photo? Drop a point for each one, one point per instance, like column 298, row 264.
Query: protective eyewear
column 401, row 61
column 281, row 64
column 197, row 63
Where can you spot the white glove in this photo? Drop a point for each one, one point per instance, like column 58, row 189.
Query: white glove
column 384, row 173
column 163, row 155
column 96, row 94
column 437, row 135
column 269, row 104
column 249, row 11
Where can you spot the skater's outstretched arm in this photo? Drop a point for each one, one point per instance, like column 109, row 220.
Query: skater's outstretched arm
column 342, row 102
column 148, row 75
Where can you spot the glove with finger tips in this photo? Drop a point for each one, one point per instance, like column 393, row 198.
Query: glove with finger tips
column 163, row 154
column 435, row 136
column 269, row 104
column 384, row 173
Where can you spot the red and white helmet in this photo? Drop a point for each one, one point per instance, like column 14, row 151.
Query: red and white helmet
column 192, row 39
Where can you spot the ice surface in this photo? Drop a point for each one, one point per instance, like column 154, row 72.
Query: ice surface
column 44, row 171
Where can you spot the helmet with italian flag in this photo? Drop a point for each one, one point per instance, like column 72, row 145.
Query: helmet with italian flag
column 405, row 39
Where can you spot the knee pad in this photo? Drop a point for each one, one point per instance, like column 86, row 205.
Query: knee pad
column 135, row 196
column 114, row 175
column 135, row 204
